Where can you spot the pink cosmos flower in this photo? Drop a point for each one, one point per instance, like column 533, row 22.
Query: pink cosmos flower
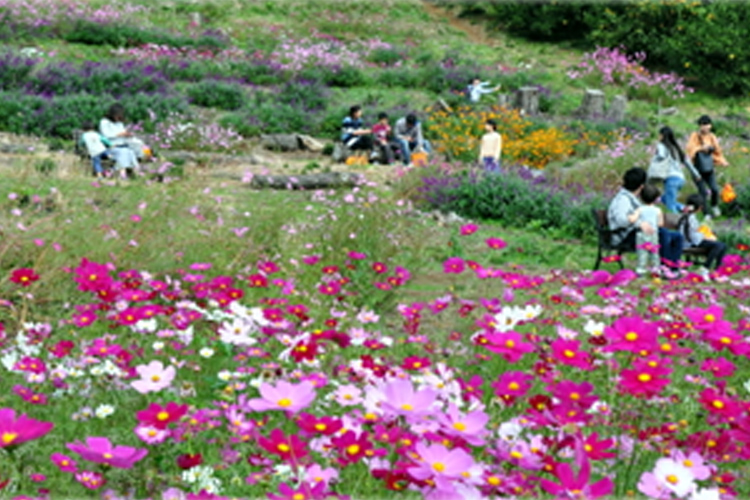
column 303, row 492
column 468, row 229
column 402, row 399
column 315, row 474
column 440, row 464
column 720, row 367
column 91, row 480
column 577, row 487
column 348, row 395
column 453, row 265
column 568, row 352
column 632, row 334
column 697, row 465
column 64, row 462
column 469, row 426
column 15, row 431
column 669, row 477
column 513, row 384
column 496, row 243
column 24, row 277
column 284, row 396
column 152, row 435
column 509, row 344
column 154, row 377
column 100, row 450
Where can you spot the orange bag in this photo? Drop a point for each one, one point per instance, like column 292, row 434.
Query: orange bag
column 419, row 159
column 727, row 193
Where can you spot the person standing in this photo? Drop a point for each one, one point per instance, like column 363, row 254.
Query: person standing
column 491, row 147
column 478, row 88
column 704, row 151
column 667, row 165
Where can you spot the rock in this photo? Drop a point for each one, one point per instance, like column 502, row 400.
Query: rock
column 310, row 144
column 280, row 142
column 668, row 111
column 307, row 181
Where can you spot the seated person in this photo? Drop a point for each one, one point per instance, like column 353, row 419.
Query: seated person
column 354, row 135
column 623, row 219
column 381, row 131
column 96, row 146
column 689, row 227
column 114, row 130
column 408, row 132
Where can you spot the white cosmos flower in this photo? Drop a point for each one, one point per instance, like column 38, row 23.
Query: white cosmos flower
column 103, row 411
column 206, row 352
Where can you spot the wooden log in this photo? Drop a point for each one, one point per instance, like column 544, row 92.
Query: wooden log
column 527, row 100
column 307, row 181
column 592, row 106
column 616, row 111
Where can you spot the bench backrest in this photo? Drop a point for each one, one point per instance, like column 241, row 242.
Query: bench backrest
column 602, row 227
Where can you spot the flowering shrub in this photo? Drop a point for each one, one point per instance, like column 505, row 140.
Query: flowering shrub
column 459, row 135
column 615, row 66
column 177, row 132
column 324, row 51
column 14, row 70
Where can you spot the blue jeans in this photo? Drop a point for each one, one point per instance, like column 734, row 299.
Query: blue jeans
column 97, row 162
column 672, row 186
column 670, row 245
column 491, row 165
column 406, row 147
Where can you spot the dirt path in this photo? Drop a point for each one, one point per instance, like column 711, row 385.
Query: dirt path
column 474, row 32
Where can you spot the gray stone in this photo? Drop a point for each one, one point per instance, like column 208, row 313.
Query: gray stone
column 527, row 100
column 616, row 111
column 592, row 106
column 280, row 142
column 307, row 181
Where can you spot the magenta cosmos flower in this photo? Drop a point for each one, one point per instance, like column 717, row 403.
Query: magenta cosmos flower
column 15, row 431
column 154, row 377
column 284, row 396
column 444, row 466
column 99, row 450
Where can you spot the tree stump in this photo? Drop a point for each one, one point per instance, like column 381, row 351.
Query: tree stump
column 616, row 111
column 592, row 106
column 527, row 100
column 503, row 100
column 307, row 181
column 280, row 142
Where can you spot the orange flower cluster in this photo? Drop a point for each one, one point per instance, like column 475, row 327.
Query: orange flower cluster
column 459, row 133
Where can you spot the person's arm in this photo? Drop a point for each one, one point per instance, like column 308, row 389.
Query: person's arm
column 482, row 89
column 498, row 147
column 634, row 216
column 660, row 219
column 718, row 154
column 693, row 145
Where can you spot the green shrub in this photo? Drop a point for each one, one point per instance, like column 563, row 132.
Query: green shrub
column 347, row 77
column 385, row 57
column 121, row 35
column 217, row 94
column 398, row 77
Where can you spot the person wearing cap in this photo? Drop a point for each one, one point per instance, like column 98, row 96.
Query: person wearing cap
column 704, row 141
column 408, row 132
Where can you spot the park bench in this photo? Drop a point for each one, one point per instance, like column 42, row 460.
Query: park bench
column 693, row 255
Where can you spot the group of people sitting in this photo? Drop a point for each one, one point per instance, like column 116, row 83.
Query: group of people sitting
column 382, row 141
column 113, row 140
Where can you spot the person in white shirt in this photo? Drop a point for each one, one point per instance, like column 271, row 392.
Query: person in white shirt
column 491, row 147
column 95, row 147
column 114, row 130
column 477, row 88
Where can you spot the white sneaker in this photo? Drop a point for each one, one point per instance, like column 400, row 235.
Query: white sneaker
column 704, row 273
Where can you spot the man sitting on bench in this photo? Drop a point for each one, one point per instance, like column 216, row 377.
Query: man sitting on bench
column 622, row 217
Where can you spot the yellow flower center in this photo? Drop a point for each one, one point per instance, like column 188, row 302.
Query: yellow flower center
column 352, row 449
column 494, row 480
column 155, row 378
column 284, row 403
column 575, row 396
column 672, row 479
column 631, row 336
column 725, row 340
column 513, row 386
column 509, row 344
column 644, row 377
column 8, row 437
column 709, row 318
column 516, row 454
column 298, row 496
column 687, row 463
column 439, row 467
column 569, row 354
column 162, row 416
column 718, row 404
column 459, row 426
column 284, row 447
column 107, row 455
column 320, row 427
column 407, row 407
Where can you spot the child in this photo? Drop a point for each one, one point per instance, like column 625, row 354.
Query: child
column 96, row 145
column 492, row 143
column 647, row 245
column 690, row 227
column 381, row 131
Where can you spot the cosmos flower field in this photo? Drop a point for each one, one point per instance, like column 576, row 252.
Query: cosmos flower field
column 200, row 384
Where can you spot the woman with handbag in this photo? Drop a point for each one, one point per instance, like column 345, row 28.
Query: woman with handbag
column 704, row 150
column 667, row 165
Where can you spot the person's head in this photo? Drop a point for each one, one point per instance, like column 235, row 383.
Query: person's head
column 411, row 119
column 650, row 194
column 694, row 202
column 116, row 112
column 383, row 118
column 705, row 124
column 634, row 179
column 490, row 125
column 88, row 125
column 475, row 80
column 666, row 136
column 355, row 111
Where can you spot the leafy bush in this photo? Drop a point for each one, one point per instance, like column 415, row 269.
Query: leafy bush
column 119, row 79
column 517, row 197
column 14, row 70
column 217, row 94
column 385, row 57
column 59, row 116
column 310, row 95
column 346, row 76
column 119, row 35
column 398, row 77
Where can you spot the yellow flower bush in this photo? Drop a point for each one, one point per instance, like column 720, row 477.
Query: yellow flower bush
column 459, row 133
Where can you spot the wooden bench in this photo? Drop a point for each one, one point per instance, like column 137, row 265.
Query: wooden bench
column 605, row 246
